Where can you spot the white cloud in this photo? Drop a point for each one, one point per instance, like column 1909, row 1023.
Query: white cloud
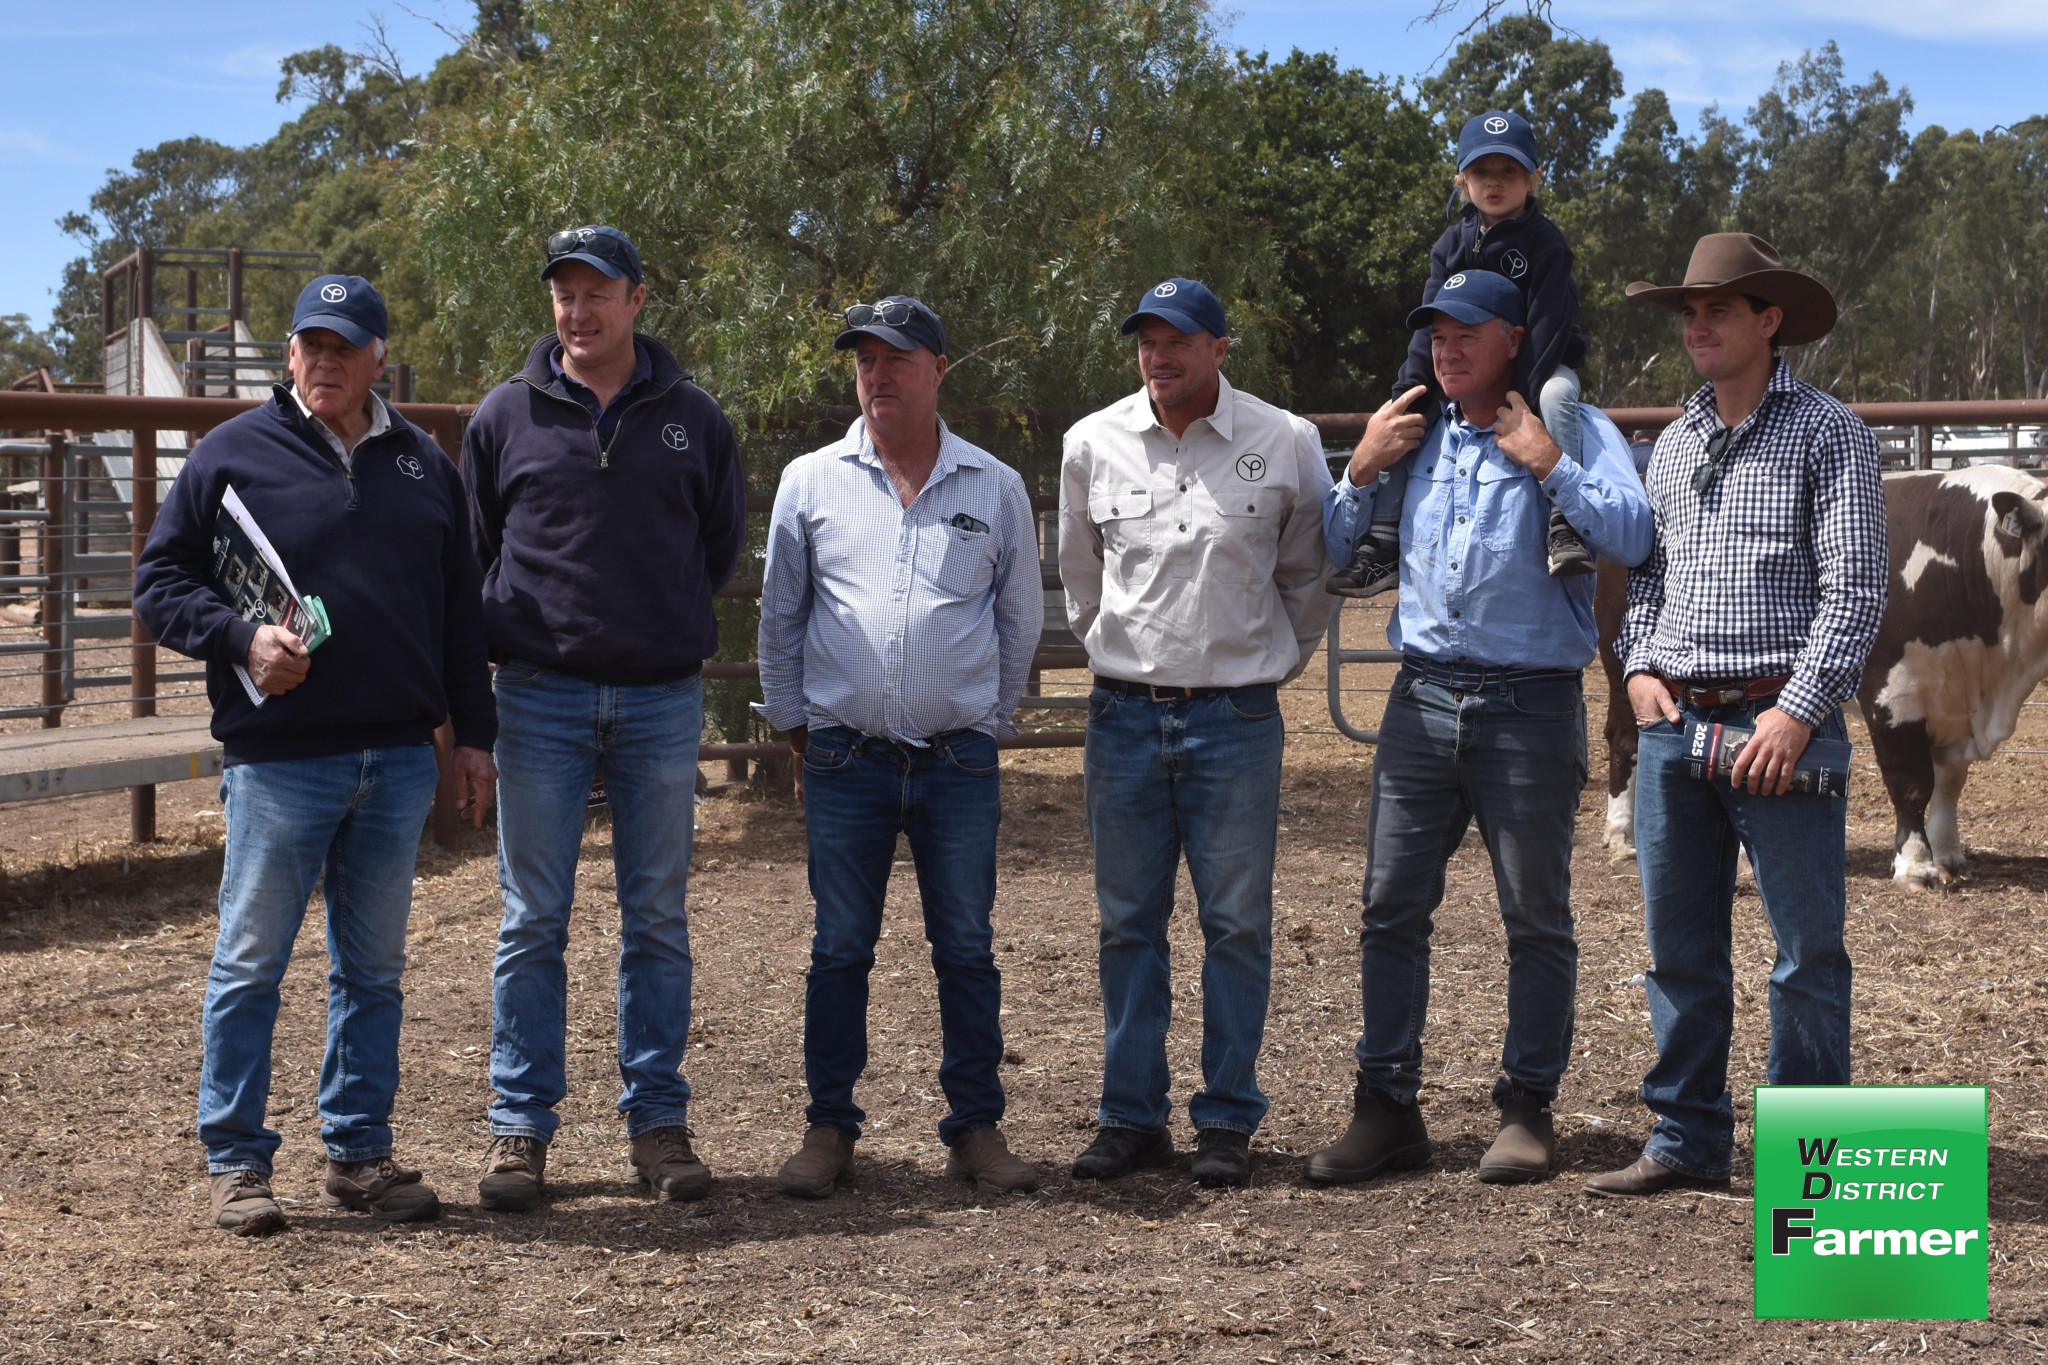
column 18, row 142
column 252, row 60
column 1953, row 20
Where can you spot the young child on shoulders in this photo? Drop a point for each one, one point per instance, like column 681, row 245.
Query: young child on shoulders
column 1502, row 229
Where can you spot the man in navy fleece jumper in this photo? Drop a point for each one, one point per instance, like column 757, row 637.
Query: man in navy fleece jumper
column 609, row 508
column 331, row 774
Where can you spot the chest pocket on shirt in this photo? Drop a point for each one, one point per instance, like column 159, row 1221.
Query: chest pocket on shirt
column 1764, row 501
column 1125, row 517
column 1247, row 534
column 1511, row 508
column 968, row 563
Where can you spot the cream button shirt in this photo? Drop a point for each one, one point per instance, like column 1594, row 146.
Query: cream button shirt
column 1197, row 562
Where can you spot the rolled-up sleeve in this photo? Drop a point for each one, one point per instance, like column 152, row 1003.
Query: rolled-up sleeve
column 1601, row 496
column 1347, row 515
column 786, row 596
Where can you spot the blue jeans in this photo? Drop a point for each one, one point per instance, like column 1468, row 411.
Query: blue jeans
column 1687, row 831
column 353, row 821
column 555, row 734
column 1162, row 776
column 859, row 794
column 1557, row 404
column 1511, row 755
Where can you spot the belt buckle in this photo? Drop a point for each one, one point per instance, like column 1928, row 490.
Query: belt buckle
column 1153, row 690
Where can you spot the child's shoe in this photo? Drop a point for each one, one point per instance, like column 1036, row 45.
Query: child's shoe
column 1568, row 554
column 1375, row 568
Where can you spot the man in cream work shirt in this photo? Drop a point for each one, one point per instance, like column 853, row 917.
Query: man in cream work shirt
column 1191, row 550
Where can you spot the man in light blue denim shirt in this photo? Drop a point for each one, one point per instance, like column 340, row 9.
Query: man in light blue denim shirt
column 1486, row 720
column 900, row 609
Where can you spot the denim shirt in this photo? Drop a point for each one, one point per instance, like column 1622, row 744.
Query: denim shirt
column 1474, row 582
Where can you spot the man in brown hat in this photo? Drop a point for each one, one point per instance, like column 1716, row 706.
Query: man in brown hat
column 1756, row 608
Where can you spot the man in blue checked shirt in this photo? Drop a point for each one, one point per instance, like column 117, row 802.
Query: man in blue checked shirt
column 900, row 609
column 1757, row 609
column 1486, row 720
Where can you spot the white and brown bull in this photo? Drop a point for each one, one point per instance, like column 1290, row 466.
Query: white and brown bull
column 1963, row 643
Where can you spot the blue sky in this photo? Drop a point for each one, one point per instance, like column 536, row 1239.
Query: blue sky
column 92, row 81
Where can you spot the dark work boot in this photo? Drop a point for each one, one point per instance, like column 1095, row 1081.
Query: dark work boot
column 1567, row 552
column 1383, row 1136
column 381, row 1188
column 1526, row 1147
column 1116, row 1152
column 1374, row 568
column 667, row 1165
column 1222, row 1157
column 515, row 1174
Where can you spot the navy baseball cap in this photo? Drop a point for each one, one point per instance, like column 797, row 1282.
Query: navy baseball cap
column 1497, row 130
column 1472, row 296
column 1185, row 303
column 606, row 248
column 347, row 305
column 900, row 320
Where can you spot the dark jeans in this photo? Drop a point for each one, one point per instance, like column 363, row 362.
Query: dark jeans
column 1163, row 777
column 859, row 794
column 1512, row 756
column 1687, row 831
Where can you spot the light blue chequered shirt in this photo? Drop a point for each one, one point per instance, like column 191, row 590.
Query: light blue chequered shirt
column 899, row 622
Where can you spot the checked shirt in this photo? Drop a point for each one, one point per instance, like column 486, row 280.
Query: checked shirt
column 1780, row 567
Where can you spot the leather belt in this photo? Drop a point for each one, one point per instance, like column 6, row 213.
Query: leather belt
column 1733, row 692
column 1154, row 692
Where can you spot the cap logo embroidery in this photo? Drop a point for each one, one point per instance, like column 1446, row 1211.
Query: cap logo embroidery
column 1517, row 264
column 1454, row 281
column 334, row 293
column 1496, row 125
column 675, row 437
column 410, row 467
column 1251, row 467
column 1166, row 291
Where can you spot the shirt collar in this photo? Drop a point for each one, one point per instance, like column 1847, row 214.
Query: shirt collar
column 1143, row 418
column 954, row 453
column 380, row 419
column 1700, row 410
column 643, row 370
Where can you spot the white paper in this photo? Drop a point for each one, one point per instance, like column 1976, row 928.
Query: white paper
column 231, row 503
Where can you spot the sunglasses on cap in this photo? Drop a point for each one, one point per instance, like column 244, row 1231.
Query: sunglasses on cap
column 585, row 242
column 891, row 313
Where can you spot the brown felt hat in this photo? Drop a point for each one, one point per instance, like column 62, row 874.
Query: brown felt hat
column 1748, row 264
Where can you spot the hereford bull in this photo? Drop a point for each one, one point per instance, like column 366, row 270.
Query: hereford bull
column 1964, row 641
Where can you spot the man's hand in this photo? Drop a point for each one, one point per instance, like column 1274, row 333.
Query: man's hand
column 1765, row 763
column 1651, row 700
column 797, row 737
column 476, row 783
column 1390, row 433
column 1520, row 435
column 278, row 660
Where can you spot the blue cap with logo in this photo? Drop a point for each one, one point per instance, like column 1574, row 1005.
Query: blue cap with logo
column 606, row 248
column 1497, row 131
column 900, row 320
column 1472, row 296
column 347, row 305
column 1185, row 303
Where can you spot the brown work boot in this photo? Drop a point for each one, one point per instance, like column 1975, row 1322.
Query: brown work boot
column 983, row 1156
column 826, row 1155
column 1383, row 1136
column 1645, row 1177
column 515, row 1174
column 663, row 1160
column 242, row 1204
column 382, row 1188
column 1525, row 1149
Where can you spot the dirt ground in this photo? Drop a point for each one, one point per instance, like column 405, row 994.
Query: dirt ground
column 107, row 1256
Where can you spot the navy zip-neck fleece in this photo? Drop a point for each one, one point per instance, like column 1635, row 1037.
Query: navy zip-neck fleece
column 384, row 544
column 601, row 556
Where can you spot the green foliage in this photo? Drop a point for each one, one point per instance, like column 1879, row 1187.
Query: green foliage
column 22, row 348
column 1350, row 175
column 1025, row 166
column 1565, row 87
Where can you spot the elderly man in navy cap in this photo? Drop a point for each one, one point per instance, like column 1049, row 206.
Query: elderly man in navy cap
column 899, row 613
column 1191, row 549
column 609, row 509
column 1486, row 720
column 330, row 758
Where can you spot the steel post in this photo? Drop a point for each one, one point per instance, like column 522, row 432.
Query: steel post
column 50, row 556
column 142, row 655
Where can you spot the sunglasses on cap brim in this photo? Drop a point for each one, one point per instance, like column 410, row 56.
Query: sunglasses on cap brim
column 890, row 314
column 583, row 242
